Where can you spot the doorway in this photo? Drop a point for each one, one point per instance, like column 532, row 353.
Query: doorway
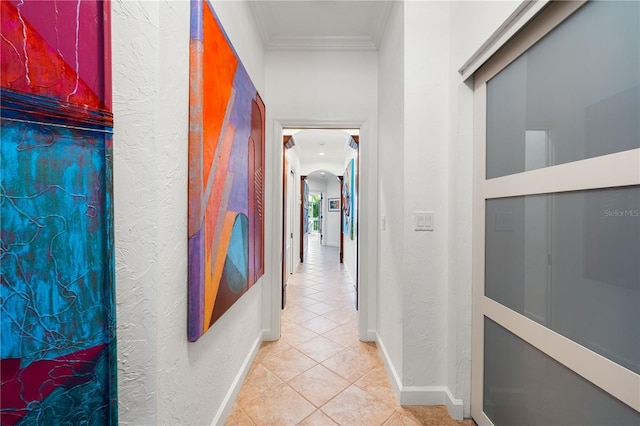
column 315, row 161
column 367, row 224
column 315, row 214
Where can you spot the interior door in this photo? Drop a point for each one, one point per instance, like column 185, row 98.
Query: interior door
column 291, row 220
column 341, row 250
column 286, row 240
column 556, row 295
column 304, row 217
column 320, row 216
column 357, row 221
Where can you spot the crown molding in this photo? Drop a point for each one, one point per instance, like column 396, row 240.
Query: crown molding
column 380, row 23
column 262, row 15
column 321, row 43
column 258, row 10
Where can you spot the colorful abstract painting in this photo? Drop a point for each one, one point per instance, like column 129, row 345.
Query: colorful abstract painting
column 226, row 174
column 56, row 245
column 347, row 201
column 305, row 206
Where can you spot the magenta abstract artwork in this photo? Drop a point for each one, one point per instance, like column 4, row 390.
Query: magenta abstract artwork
column 58, row 342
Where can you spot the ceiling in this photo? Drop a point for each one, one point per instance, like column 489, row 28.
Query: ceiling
column 321, row 24
column 312, row 143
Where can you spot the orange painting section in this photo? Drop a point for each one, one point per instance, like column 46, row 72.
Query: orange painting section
column 219, row 68
column 215, row 208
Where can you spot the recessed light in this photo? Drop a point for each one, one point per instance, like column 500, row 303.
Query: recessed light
column 322, row 153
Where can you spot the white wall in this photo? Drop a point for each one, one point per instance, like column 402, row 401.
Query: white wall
column 424, row 315
column 322, row 85
column 136, row 82
column 162, row 378
column 316, row 183
column 329, row 89
column 391, row 191
column 425, row 176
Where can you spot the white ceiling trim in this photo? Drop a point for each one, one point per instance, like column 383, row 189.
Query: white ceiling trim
column 321, row 43
column 380, row 23
column 258, row 10
column 262, row 15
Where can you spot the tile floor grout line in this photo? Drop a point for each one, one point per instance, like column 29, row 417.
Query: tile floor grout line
column 321, row 284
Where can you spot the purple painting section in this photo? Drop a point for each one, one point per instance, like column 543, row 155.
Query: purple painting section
column 240, row 116
column 61, row 34
column 196, row 20
column 196, row 285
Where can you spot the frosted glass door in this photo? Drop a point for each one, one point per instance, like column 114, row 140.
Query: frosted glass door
column 557, row 226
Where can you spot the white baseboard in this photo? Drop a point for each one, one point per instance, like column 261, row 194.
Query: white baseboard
column 270, row 335
column 236, row 385
column 388, row 365
column 420, row 395
column 454, row 406
column 349, row 274
column 370, row 336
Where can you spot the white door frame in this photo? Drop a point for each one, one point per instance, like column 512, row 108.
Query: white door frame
column 367, row 253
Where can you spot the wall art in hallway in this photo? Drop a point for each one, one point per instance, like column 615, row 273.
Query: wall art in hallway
column 347, row 201
column 58, row 336
column 226, row 174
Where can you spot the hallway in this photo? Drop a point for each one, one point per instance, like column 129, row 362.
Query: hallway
column 319, row 373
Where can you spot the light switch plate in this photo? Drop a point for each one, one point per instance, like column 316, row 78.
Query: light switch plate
column 424, row 221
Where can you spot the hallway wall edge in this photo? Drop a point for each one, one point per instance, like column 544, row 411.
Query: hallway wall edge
column 238, row 381
column 420, row 395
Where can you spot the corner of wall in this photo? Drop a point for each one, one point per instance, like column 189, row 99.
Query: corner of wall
column 420, row 395
column 454, row 406
column 432, row 395
column 229, row 399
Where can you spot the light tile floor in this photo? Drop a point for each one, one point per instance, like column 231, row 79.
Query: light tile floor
column 319, row 373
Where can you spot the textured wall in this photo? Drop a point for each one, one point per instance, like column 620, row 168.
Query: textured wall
column 391, row 190
column 163, row 379
column 425, row 177
column 424, row 313
column 136, row 83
